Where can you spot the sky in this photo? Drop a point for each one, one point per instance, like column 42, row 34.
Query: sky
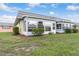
column 69, row 11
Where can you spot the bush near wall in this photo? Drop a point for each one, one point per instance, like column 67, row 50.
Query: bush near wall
column 50, row 33
column 68, row 31
column 75, row 30
column 71, row 30
column 15, row 30
column 37, row 31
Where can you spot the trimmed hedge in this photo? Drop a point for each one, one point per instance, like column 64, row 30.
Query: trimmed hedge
column 37, row 31
column 15, row 30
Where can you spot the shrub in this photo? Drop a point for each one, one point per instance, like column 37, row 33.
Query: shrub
column 15, row 30
column 75, row 30
column 37, row 31
column 68, row 31
column 50, row 33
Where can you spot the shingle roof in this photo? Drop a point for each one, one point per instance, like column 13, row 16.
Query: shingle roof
column 28, row 14
column 22, row 14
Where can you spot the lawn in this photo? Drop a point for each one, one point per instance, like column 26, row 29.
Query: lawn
column 46, row 45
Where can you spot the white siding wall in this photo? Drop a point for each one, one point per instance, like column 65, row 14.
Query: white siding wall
column 26, row 32
column 67, row 25
column 72, row 26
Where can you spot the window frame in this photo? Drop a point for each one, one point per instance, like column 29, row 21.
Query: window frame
column 54, row 26
column 30, row 30
column 48, row 29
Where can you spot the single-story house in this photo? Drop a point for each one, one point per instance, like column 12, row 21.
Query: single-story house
column 6, row 27
column 26, row 21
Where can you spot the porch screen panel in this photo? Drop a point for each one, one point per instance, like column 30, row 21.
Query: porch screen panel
column 31, row 26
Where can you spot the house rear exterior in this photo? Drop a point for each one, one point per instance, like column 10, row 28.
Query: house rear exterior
column 27, row 21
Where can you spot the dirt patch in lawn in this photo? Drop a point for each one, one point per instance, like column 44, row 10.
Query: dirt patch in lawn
column 23, row 37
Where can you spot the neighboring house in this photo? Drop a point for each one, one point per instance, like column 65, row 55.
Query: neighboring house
column 27, row 21
column 6, row 27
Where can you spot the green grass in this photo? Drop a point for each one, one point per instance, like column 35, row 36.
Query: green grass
column 46, row 45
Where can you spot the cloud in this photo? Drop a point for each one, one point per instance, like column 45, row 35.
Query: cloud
column 72, row 7
column 7, row 18
column 72, row 17
column 4, row 7
column 7, row 8
column 44, row 6
column 28, row 8
column 54, row 5
column 33, row 4
column 51, row 13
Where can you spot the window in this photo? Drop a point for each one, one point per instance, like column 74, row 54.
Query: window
column 67, row 27
column 53, row 26
column 63, row 26
column 58, row 26
column 31, row 26
column 47, row 28
column 40, row 22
